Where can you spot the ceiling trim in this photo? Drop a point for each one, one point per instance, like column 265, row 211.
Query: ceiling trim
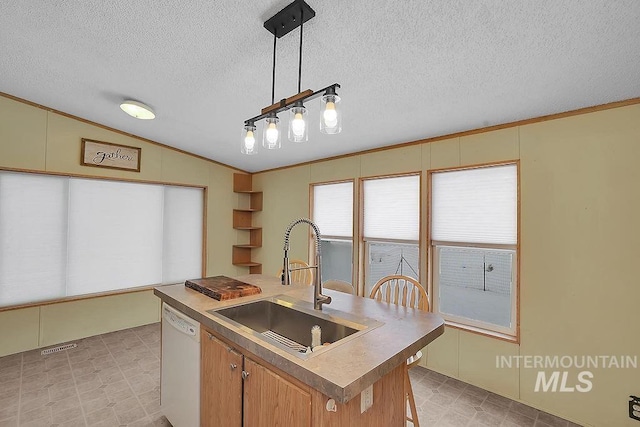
column 80, row 119
column 579, row 111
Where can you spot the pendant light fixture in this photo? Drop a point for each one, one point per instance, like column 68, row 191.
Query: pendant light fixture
column 271, row 134
column 249, row 139
column 280, row 24
column 331, row 119
column 298, row 129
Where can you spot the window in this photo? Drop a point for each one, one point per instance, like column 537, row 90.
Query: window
column 333, row 214
column 62, row 236
column 474, row 240
column 391, row 216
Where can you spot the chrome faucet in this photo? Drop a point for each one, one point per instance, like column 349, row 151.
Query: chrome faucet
column 318, row 298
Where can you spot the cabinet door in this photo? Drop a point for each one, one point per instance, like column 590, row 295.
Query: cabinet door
column 270, row 400
column 221, row 383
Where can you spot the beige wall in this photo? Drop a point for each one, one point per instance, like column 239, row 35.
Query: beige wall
column 579, row 241
column 579, row 206
column 35, row 139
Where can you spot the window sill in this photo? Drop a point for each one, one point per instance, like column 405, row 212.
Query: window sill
column 480, row 331
column 78, row 298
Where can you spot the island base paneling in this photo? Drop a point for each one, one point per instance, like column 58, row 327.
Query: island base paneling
column 234, row 380
column 388, row 410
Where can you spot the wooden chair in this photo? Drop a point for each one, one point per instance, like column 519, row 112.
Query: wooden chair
column 301, row 273
column 407, row 292
column 339, row 285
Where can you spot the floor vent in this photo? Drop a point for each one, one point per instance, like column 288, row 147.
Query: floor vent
column 59, row 348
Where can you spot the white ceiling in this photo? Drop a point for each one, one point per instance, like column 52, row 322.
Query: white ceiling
column 409, row 69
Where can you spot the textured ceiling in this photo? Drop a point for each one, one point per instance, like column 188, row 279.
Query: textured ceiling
column 409, row 69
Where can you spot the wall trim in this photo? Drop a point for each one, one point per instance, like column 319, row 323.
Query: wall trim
column 38, row 304
column 578, row 112
column 89, row 122
column 570, row 113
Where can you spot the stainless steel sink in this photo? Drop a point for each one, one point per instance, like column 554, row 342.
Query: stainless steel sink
column 287, row 322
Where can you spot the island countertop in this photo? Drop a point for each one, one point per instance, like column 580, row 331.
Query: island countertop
column 341, row 372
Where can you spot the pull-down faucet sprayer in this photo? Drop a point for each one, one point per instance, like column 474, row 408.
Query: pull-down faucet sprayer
column 318, row 298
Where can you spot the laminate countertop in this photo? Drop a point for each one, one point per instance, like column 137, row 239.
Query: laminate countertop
column 341, row 371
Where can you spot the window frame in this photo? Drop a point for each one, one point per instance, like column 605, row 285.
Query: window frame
column 205, row 190
column 363, row 241
column 354, row 227
column 458, row 322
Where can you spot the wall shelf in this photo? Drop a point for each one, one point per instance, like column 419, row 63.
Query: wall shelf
column 243, row 220
column 249, row 264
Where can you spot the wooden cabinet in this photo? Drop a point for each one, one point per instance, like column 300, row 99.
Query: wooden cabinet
column 243, row 220
column 270, row 400
column 220, row 383
column 238, row 389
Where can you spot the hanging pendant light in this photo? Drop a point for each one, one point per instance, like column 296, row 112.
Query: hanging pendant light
column 330, row 116
column 291, row 17
column 271, row 133
column 249, row 139
column 298, row 129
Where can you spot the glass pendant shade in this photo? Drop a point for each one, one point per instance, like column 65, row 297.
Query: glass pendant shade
column 271, row 133
column 330, row 114
column 248, row 142
column 298, row 129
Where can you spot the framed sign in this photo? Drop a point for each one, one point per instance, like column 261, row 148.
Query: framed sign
column 107, row 155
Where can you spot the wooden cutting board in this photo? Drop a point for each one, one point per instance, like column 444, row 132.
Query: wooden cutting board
column 222, row 287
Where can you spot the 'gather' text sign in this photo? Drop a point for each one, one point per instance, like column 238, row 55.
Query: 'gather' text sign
column 108, row 155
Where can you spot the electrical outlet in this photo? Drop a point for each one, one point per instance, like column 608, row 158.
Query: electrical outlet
column 366, row 399
column 634, row 408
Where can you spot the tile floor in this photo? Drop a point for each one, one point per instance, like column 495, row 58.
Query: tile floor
column 113, row 380
column 446, row 402
column 108, row 380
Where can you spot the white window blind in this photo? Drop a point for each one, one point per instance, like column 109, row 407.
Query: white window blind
column 333, row 209
column 392, row 208
column 475, row 205
column 62, row 236
column 115, row 235
column 183, row 220
column 33, row 237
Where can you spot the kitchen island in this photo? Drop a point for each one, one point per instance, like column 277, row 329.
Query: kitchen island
column 301, row 389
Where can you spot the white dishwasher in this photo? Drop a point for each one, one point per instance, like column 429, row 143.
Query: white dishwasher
column 180, row 377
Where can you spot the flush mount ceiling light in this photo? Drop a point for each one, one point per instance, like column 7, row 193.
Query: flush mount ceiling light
column 138, row 110
column 280, row 24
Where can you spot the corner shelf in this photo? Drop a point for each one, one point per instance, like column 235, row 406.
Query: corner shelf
column 243, row 220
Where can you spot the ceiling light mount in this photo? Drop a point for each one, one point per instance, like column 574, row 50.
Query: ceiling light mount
column 288, row 19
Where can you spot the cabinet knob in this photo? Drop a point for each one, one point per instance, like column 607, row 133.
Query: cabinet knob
column 209, row 336
column 245, row 374
column 233, row 366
